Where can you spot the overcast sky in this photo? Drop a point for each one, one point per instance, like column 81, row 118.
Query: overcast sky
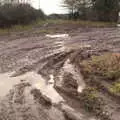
column 49, row 6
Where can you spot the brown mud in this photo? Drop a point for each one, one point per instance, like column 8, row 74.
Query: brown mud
column 40, row 75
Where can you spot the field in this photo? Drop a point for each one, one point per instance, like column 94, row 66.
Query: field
column 60, row 70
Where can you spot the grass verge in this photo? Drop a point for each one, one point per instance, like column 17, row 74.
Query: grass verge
column 50, row 22
column 106, row 66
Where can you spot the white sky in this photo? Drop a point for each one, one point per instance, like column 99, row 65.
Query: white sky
column 49, row 6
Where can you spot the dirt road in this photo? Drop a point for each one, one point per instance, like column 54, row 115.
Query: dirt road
column 33, row 65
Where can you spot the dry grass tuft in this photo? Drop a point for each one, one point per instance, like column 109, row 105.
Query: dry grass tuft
column 106, row 66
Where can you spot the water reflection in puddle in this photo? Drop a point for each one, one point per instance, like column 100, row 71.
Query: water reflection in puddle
column 48, row 90
column 118, row 25
column 6, row 83
column 36, row 81
column 57, row 36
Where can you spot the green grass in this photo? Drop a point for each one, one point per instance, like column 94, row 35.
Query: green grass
column 92, row 102
column 89, row 97
column 84, row 23
column 39, row 23
column 16, row 28
column 115, row 89
column 92, row 24
column 19, row 28
column 77, row 22
column 47, row 31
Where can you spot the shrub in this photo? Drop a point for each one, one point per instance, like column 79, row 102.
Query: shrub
column 18, row 14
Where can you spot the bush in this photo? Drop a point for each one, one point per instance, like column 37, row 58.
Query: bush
column 18, row 14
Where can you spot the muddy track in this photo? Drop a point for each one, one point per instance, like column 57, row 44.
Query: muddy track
column 37, row 72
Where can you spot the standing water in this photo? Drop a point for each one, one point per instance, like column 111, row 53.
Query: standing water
column 36, row 81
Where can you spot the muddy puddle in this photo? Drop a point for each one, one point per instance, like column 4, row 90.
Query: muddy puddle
column 6, row 83
column 69, row 78
column 24, row 105
column 118, row 25
column 57, row 35
column 70, row 68
column 50, row 55
column 35, row 80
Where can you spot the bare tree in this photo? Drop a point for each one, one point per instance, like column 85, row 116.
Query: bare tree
column 77, row 6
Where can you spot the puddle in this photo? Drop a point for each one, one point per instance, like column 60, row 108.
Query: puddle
column 68, row 67
column 48, row 90
column 80, row 89
column 36, row 81
column 57, row 36
column 118, row 25
column 85, row 46
column 6, row 83
column 51, row 81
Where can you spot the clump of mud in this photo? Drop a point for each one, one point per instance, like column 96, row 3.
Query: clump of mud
column 69, row 81
column 42, row 99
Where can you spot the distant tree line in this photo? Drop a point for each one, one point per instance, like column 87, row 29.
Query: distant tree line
column 56, row 16
column 100, row 10
column 13, row 14
column 15, row 1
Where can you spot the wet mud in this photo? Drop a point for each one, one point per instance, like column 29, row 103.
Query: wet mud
column 40, row 73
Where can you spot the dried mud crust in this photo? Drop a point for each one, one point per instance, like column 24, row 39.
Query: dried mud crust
column 60, row 57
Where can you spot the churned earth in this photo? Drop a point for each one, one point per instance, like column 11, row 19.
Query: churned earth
column 41, row 77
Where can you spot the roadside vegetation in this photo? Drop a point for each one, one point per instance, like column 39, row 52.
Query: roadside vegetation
column 51, row 22
column 102, row 76
column 106, row 66
column 93, row 103
column 103, row 73
column 115, row 89
column 18, row 14
column 85, row 13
